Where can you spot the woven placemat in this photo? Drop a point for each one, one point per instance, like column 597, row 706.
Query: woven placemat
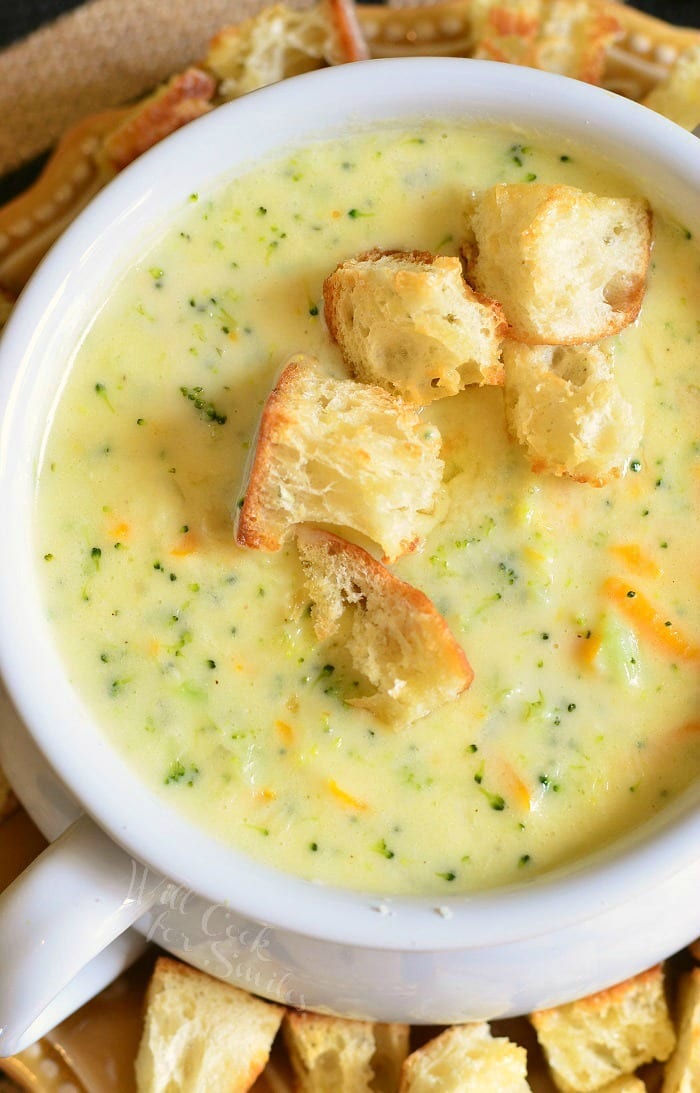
column 104, row 53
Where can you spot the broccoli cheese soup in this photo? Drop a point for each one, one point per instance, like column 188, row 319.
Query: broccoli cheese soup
column 576, row 606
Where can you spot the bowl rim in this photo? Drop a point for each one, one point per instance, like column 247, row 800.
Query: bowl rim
column 402, row 89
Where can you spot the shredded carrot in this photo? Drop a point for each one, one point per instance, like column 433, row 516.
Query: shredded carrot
column 533, row 555
column 286, row 732
column 186, row 544
column 119, row 531
column 346, row 798
column 265, row 795
column 635, row 560
column 588, row 648
column 516, row 788
column 647, row 620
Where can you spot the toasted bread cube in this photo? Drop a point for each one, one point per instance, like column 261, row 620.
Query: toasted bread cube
column 695, row 949
column 331, row 1053
column 678, row 96
column 564, row 406
column 609, row 1034
column 575, row 38
column 280, row 41
column 682, row 1073
column 466, row 1059
column 408, row 321
column 398, row 640
column 567, row 267
column 328, row 1053
column 200, row 1034
column 343, row 453
column 506, row 30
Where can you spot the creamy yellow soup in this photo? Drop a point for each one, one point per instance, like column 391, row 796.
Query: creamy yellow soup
column 577, row 607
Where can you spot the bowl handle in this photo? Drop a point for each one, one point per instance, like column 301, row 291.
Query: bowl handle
column 64, row 930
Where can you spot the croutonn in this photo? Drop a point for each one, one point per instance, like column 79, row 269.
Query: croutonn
column 200, row 1033
column 567, row 266
column 408, row 322
column 607, row 1035
column 341, row 453
column 396, row 637
column 565, row 406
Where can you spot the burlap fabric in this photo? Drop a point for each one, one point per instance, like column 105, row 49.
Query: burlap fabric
column 104, row 53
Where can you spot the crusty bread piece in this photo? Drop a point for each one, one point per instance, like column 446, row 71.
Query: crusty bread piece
column 328, row 1054
column 408, row 321
column 185, row 97
column 201, row 1035
column 575, row 37
column 570, row 37
column 332, row 1055
column 397, row 638
column 466, row 1059
column 567, row 266
column 695, row 949
column 279, row 42
column 678, row 96
column 343, row 453
column 506, row 30
column 682, row 1073
column 563, row 404
column 597, row 1039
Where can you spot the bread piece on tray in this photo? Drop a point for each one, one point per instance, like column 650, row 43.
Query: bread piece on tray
column 466, row 1059
column 570, row 37
column 338, row 452
column 682, row 1073
column 563, row 404
column 200, row 1034
column 678, row 96
column 397, row 638
column 607, row 1035
column 566, row 266
column 330, row 1054
column 185, row 97
column 280, row 41
column 408, row 321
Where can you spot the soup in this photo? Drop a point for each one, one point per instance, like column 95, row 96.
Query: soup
column 199, row 658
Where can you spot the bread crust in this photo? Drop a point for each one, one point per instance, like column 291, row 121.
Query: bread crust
column 185, row 97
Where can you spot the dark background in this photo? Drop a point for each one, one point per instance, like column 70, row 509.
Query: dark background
column 19, row 17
